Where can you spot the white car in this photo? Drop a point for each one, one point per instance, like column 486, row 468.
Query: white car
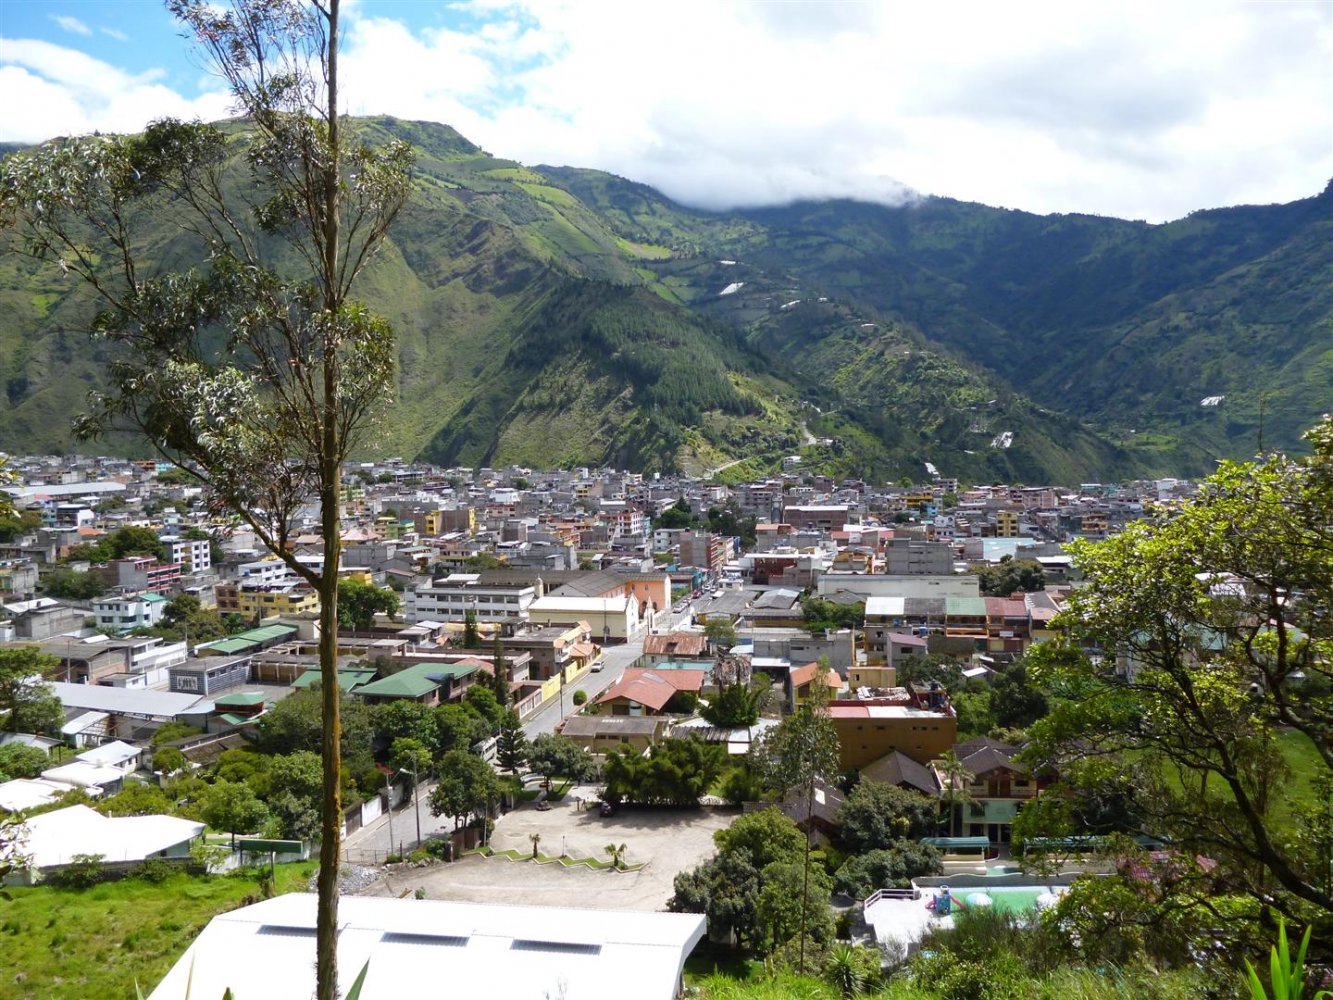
column 597, row 667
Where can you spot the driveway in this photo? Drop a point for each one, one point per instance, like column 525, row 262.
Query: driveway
column 669, row 841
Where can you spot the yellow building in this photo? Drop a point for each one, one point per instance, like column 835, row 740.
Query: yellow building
column 252, row 602
column 869, row 730
column 1006, row 524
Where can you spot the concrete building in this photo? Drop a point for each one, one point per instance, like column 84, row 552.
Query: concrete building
column 451, row 598
column 127, row 612
column 900, row 720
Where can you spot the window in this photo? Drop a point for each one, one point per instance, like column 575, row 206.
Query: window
column 184, row 683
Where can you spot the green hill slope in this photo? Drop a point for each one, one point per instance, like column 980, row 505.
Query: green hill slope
column 560, row 315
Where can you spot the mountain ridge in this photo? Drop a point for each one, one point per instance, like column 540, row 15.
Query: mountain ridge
column 565, row 315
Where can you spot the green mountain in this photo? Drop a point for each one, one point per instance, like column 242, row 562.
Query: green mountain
column 560, row 316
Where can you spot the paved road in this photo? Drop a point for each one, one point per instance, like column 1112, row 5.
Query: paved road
column 375, row 836
column 616, row 659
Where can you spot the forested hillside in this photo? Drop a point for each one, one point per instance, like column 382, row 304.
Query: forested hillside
column 559, row 315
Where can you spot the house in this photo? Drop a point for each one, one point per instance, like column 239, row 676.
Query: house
column 610, row 618
column 126, row 612
column 815, row 813
column 675, row 647
column 600, row 733
column 801, row 680
column 998, row 786
column 918, row 721
column 240, row 708
column 429, row 683
column 55, row 838
column 644, row 691
column 896, row 768
column 267, row 949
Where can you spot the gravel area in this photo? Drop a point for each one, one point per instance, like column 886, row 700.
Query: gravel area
column 352, row 879
column 665, row 841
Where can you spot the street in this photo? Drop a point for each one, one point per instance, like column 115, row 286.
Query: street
column 374, row 838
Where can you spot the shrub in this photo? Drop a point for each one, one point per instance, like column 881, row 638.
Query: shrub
column 580, row 696
column 82, row 872
column 154, row 870
column 439, row 848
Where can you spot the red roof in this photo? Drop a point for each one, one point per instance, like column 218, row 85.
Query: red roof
column 801, row 676
column 654, row 688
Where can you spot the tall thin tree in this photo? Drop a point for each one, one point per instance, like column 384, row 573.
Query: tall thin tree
column 252, row 368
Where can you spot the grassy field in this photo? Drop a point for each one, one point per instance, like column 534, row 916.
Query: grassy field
column 99, row 942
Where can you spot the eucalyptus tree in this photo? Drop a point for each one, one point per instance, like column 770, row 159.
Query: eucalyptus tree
column 795, row 756
column 236, row 349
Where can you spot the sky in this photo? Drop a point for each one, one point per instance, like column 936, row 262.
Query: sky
column 1138, row 110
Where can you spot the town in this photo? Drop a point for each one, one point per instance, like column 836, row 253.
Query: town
column 517, row 649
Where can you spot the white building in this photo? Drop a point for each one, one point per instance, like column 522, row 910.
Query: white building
column 53, row 839
column 485, row 950
column 193, row 554
column 127, row 612
column 450, row 599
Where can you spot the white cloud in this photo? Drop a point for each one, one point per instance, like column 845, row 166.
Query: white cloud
column 1139, row 109
column 71, row 24
column 50, row 90
column 115, row 33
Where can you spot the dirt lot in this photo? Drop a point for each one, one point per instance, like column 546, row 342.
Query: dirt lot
column 668, row 840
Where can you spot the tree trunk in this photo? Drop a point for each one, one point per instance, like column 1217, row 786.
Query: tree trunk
column 330, row 497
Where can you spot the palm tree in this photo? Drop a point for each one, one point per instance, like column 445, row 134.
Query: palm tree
column 617, row 855
column 536, row 839
column 956, row 792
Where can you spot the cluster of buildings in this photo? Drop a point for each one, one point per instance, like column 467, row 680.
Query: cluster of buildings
column 558, row 565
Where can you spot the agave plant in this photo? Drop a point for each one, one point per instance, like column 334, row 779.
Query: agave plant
column 1286, row 975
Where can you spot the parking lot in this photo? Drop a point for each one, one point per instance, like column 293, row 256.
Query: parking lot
column 669, row 841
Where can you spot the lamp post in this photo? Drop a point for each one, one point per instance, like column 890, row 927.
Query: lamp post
column 416, row 797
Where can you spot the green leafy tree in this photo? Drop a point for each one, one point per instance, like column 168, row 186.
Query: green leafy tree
column 1012, row 576
column 553, row 756
column 137, row 799
column 956, row 792
column 72, row 585
column 295, row 785
column 404, row 719
column 18, row 760
column 794, row 757
column 765, row 836
column 297, row 723
column 678, row 515
column 457, row 728
column 466, row 785
column 410, row 755
column 255, row 371
column 234, row 809
column 358, row 603
column 471, row 635
column 1015, row 703
column 725, row 889
column 500, row 672
column 480, row 699
column 27, row 702
column 677, row 772
column 794, row 901
column 875, row 815
column 1217, row 620
column 169, row 760
column 511, row 748
column 887, row 868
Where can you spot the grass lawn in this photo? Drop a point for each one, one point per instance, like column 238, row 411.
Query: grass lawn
column 98, row 942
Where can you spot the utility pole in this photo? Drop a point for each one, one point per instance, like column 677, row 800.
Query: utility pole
column 388, row 805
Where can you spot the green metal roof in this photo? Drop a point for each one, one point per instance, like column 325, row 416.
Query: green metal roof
column 154, row 598
column 233, row 645
column 958, row 843
column 241, row 698
column 267, row 632
column 236, row 720
column 972, row 607
column 416, row 680
column 347, row 679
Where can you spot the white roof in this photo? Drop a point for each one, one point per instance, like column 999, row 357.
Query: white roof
column 28, row 793
column 611, row 605
column 123, row 701
column 114, row 754
column 83, row 774
column 886, row 607
column 55, row 837
column 515, row 952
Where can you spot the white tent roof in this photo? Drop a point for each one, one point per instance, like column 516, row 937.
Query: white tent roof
column 515, row 952
column 55, row 837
